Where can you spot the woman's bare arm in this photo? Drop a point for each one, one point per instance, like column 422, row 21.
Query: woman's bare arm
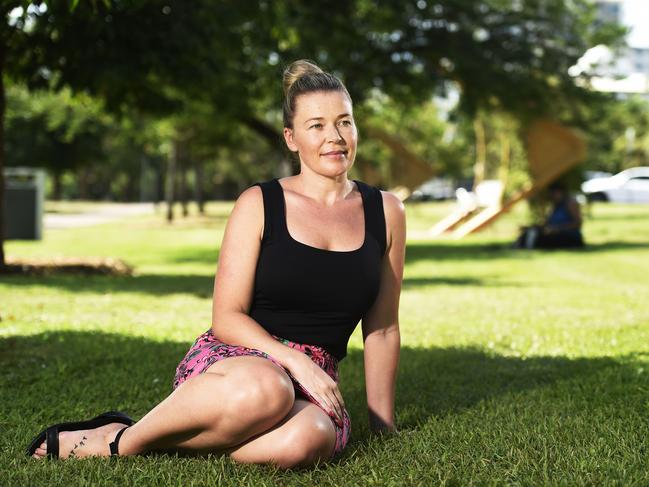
column 233, row 291
column 235, row 277
column 381, row 323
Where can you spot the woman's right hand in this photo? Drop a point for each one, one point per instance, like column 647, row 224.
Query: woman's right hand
column 318, row 384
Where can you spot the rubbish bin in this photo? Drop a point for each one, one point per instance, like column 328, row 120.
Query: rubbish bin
column 23, row 203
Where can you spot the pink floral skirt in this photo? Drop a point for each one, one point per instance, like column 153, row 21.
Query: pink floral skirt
column 207, row 350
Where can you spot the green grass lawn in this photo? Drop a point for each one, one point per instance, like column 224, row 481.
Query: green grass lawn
column 517, row 367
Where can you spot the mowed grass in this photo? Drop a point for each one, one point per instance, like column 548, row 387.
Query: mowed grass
column 517, row 367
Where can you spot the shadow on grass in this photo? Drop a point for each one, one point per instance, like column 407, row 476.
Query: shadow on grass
column 442, row 381
column 616, row 217
column 604, row 246
column 70, row 375
column 461, row 251
column 202, row 285
column 198, row 285
column 411, row 282
column 154, row 284
column 484, row 281
column 440, row 251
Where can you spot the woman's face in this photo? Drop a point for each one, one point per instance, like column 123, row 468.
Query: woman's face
column 324, row 133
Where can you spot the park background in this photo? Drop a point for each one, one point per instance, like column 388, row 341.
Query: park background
column 517, row 367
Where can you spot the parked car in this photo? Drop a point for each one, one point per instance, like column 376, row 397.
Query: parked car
column 434, row 189
column 628, row 186
column 588, row 175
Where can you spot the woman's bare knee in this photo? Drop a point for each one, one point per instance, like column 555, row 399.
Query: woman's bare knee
column 306, row 436
column 253, row 399
column 252, row 386
column 308, row 445
column 260, row 391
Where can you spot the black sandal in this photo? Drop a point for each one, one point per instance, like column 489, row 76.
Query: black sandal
column 51, row 435
column 114, row 445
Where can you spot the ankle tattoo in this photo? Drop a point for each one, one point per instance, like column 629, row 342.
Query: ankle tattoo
column 73, row 452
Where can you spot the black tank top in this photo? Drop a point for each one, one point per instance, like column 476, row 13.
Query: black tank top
column 310, row 295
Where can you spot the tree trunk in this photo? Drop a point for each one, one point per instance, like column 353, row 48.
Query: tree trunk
column 182, row 190
column 159, row 186
column 2, row 157
column 57, row 189
column 143, row 178
column 131, row 190
column 505, row 158
column 83, row 175
column 199, row 174
column 267, row 131
column 480, row 151
column 170, row 180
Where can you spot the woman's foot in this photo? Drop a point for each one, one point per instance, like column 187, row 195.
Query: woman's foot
column 84, row 443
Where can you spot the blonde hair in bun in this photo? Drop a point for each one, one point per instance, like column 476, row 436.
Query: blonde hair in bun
column 304, row 76
column 296, row 70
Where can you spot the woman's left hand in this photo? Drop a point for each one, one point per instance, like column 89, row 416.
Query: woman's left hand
column 318, row 384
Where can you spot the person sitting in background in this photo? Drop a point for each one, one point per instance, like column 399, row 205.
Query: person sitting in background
column 562, row 227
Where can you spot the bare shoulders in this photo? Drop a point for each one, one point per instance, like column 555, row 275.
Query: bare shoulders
column 251, row 195
column 249, row 209
column 395, row 216
column 250, row 200
column 392, row 203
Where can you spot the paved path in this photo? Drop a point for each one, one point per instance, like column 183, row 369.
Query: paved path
column 107, row 213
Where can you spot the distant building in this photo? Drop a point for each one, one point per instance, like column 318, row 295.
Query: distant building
column 609, row 11
column 639, row 58
column 625, row 72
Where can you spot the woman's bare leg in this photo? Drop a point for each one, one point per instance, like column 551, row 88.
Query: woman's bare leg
column 234, row 400
column 303, row 438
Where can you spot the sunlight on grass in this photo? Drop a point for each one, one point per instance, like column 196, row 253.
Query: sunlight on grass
column 517, row 366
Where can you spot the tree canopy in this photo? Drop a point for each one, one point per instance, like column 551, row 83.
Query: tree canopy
column 166, row 57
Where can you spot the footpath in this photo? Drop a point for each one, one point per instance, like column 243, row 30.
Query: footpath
column 103, row 214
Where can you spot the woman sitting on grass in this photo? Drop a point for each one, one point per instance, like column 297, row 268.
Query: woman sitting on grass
column 303, row 260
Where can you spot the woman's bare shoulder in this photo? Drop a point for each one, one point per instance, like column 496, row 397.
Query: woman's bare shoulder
column 391, row 199
column 248, row 209
column 393, row 207
column 395, row 217
column 251, row 196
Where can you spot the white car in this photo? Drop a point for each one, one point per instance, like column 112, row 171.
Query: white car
column 628, row 186
column 434, row 189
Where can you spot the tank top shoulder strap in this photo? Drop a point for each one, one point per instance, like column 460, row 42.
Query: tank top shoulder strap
column 374, row 214
column 273, row 208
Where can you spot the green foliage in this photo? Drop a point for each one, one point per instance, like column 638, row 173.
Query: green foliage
column 53, row 130
column 422, row 129
column 511, row 54
column 156, row 54
column 125, row 53
column 161, row 57
column 72, row 134
column 211, row 73
column 617, row 132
